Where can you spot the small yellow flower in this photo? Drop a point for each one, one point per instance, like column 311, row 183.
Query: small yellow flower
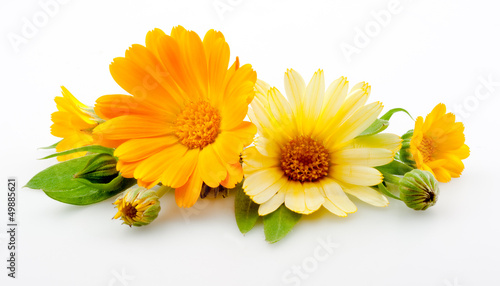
column 308, row 153
column 138, row 207
column 73, row 122
column 438, row 144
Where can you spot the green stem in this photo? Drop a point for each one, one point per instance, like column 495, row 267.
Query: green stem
column 386, row 192
column 163, row 190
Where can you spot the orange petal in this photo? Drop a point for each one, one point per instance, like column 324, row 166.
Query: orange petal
column 114, row 105
column 211, row 169
column 179, row 171
column 187, row 195
column 133, row 127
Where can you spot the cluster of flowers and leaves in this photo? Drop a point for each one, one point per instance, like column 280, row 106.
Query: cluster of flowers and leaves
column 181, row 128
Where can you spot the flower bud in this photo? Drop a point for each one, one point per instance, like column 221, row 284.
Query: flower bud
column 405, row 154
column 101, row 169
column 419, row 189
column 138, row 207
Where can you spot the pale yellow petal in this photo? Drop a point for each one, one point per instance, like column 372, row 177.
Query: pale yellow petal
column 313, row 101
column 270, row 191
column 334, row 193
column 356, row 124
column 314, row 197
column 382, row 140
column 275, row 202
column 367, row 194
column 259, row 181
column 334, row 209
column 356, row 175
column 295, row 198
column 295, row 89
column 370, row 157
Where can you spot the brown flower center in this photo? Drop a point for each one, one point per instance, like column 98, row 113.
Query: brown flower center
column 129, row 211
column 197, row 125
column 304, row 159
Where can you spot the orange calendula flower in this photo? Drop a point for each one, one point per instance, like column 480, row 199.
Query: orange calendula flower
column 183, row 124
column 73, row 122
column 438, row 144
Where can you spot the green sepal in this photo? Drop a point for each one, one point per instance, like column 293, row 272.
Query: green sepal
column 101, row 169
column 58, row 183
column 380, row 124
column 405, row 152
column 245, row 210
column 51, row 146
column 92, row 149
column 279, row 223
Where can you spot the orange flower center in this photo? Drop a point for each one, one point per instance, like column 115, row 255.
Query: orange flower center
column 304, row 159
column 427, row 147
column 197, row 125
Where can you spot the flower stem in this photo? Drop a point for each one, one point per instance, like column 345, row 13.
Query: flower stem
column 163, row 190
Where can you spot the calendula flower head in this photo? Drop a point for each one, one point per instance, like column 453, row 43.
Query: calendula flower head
column 419, row 189
column 308, row 153
column 183, row 124
column 438, row 144
column 73, row 122
column 138, row 207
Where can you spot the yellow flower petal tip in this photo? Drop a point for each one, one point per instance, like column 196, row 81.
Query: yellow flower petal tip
column 73, row 122
column 438, row 144
column 308, row 153
column 183, row 124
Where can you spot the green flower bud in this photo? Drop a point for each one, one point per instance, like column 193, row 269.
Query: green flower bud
column 405, row 154
column 138, row 207
column 419, row 189
column 99, row 170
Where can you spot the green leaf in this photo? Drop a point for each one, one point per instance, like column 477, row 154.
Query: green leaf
column 51, row 146
column 245, row 210
column 279, row 223
column 388, row 114
column 395, row 167
column 58, row 183
column 93, row 149
column 380, row 124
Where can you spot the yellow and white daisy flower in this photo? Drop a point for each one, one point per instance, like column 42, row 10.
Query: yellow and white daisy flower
column 308, row 152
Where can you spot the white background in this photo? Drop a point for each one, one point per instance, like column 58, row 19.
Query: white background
column 427, row 52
